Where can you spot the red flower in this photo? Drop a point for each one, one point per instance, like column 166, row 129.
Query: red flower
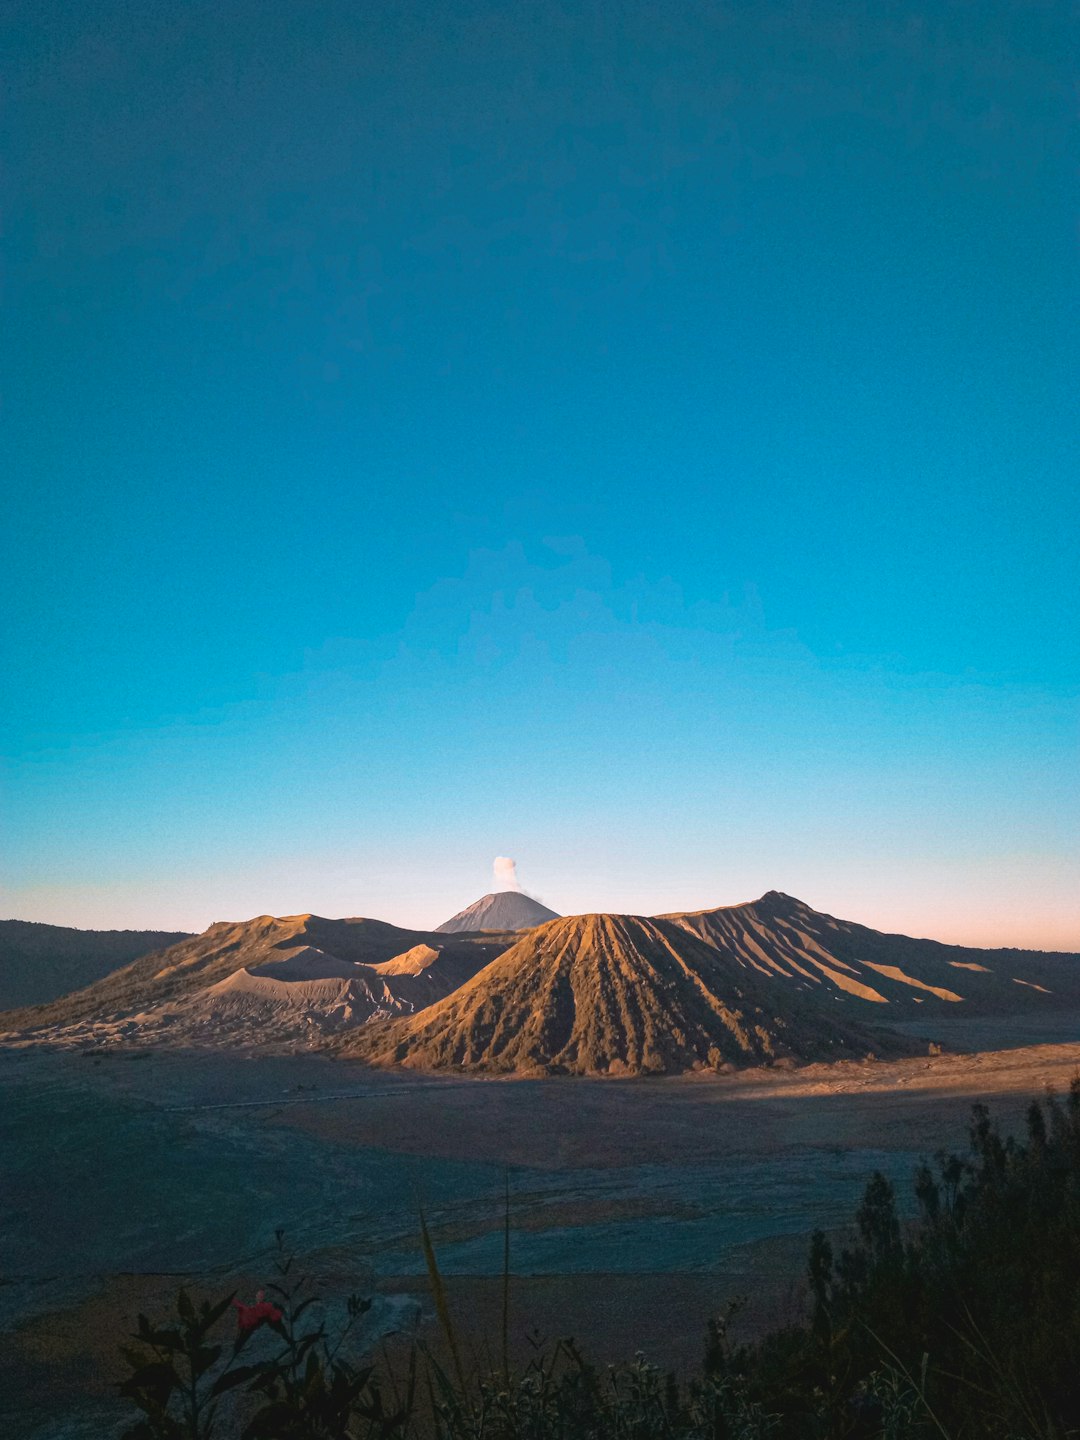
column 250, row 1317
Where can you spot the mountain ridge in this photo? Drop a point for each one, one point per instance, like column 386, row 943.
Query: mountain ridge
column 41, row 962
column 778, row 980
column 761, row 982
column 304, row 975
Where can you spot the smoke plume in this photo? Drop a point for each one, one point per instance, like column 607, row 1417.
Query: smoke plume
column 506, row 873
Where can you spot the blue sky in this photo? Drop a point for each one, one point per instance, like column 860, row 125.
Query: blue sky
column 637, row 439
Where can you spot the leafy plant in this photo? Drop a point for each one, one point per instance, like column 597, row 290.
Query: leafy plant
column 306, row 1388
column 176, row 1379
column 309, row 1390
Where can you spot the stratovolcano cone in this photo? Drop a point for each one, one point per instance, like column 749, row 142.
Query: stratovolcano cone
column 503, row 910
column 618, row 994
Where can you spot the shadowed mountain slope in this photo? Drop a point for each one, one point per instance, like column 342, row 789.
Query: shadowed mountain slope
column 504, row 910
column 617, row 994
column 266, row 980
column 39, row 963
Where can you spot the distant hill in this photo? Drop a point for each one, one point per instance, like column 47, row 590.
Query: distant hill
column 38, row 963
column 264, row 981
column 743, row 985
column 504, row 910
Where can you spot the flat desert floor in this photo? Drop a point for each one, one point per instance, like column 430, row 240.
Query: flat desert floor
column 637, row 1207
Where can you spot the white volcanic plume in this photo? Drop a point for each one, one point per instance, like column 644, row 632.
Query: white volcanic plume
column 506, row 873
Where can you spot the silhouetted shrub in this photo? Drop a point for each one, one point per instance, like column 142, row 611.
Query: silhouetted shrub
column 189, row 1385
column 973, row 1307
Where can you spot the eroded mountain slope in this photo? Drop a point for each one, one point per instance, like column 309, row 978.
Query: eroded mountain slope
column 881, row 976
column 265, row 981
column 617, row 994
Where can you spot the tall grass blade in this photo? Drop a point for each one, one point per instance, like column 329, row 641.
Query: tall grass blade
column 918, row 1386
column 442, row 1308
column 506, row 1280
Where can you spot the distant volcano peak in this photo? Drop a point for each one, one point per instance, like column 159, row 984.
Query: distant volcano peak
column 501, row 910
column 780, row 900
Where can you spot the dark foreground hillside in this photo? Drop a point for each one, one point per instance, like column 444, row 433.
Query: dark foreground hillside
column 961, row 1323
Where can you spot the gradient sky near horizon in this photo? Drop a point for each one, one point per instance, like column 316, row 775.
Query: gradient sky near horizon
column 639, row 439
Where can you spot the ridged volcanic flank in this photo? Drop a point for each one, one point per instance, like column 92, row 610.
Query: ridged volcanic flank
column 885, row 977
column 266, row 981
column 616, row 994
column 743, row 984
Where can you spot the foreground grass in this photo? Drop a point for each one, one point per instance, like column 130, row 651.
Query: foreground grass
column 962, row 1323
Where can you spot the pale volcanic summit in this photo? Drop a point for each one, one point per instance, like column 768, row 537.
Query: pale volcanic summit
column 503, row 910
